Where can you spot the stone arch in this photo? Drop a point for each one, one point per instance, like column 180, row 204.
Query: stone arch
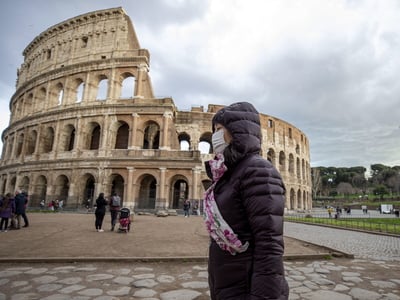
column 13, row 183
column 206, row 183
column 94, row 136
column 205, row 145
column 305, row 206
column 40, row 99
column 127, row 86
column 20, row 144
column 61, row 188
column 24, row 184
column 299, row 200
column 292, row 199
column 88, row 189
column 184, row 141
column 122, row 137
column 303, row 169
column 28, row 104
column 271, row 156
column 47, row 140
column 57, row 94
column 39, row 190
column 151, row 139
column 179, row 191
column 147, row 192
column 291, row 163
column 31, row 142
column 282, row 161
column 67, row 140
column 298, row 170
column 78, row 89
column 102, row 88
column 10, row 146
column 118, row 186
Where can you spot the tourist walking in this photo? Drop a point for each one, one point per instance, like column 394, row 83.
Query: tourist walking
column 21, row 201
column 186, row 208
column 243, row 210
column 100, row 211
column 7, row 209
column 115, row 205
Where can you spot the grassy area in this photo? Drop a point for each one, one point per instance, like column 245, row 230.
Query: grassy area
column 386, row 225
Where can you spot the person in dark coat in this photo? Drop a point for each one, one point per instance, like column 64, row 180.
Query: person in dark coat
column 21, row 201
column 243, row 211
column 7, row 209
column 100, row 212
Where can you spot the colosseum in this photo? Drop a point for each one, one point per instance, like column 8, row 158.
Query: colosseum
column 84, row 120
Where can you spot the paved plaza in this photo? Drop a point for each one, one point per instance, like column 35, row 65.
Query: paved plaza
column 373, row 273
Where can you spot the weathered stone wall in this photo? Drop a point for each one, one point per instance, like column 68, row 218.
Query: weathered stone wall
column 84, row 120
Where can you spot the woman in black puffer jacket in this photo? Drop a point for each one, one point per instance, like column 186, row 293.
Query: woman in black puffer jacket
column 244, row 211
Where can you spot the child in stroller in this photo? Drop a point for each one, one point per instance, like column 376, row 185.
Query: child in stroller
column 124, row 220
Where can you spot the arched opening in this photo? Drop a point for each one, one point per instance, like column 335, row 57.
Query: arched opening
column 102, row 89
column 117, row 186
column 95, row 138
column 128, row 87
column 291, row 164
column 61, row 188
column 24, row 185
column 40, row 100
column 31, row 142
column 20, row 143
column 67, row 139
column 122, row 136
column 179, row 193
column 88, row 190
column 79, row 91
column 292, row 199
column 271, row 156
column 282, row 159
column 184, row 141
column 299, row 200
column 39, row 192
column 151, row 138
column 13, row 182
column 205, row 145
column 298, row 170
column 47, row 140
column 147, row 192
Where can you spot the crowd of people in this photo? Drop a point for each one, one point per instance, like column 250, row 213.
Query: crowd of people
column 13, row 211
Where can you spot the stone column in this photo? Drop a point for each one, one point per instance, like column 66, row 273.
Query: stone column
column 105, row 129
column 162, row 199
column 143, row 68
column 133, row 130
column 130, row 198
column 164, row 141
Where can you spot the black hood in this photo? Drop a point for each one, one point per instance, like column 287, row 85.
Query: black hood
column 242, row 121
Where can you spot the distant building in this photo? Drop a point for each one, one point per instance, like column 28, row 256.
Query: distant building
column 84, row 120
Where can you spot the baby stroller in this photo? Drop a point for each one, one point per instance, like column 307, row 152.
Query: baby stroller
column 124, row 220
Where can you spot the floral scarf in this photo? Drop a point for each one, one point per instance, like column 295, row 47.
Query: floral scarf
column 219, row 230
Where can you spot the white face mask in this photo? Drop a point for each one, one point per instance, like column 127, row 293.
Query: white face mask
column 218, row 141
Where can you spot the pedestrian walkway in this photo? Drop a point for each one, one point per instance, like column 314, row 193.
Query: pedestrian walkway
column 361, row 244
column 316, row 279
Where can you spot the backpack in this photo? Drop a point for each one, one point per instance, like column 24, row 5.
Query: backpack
column 115, row 201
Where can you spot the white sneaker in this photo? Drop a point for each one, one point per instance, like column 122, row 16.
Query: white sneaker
column 101, row 230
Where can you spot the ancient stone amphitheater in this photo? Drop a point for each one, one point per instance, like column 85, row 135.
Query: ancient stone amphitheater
column 84, row 120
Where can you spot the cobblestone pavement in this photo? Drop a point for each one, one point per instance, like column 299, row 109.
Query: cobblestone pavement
column 373, row 274
column 361, row 244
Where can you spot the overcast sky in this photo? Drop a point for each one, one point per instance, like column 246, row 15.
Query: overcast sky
column 330, row 68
